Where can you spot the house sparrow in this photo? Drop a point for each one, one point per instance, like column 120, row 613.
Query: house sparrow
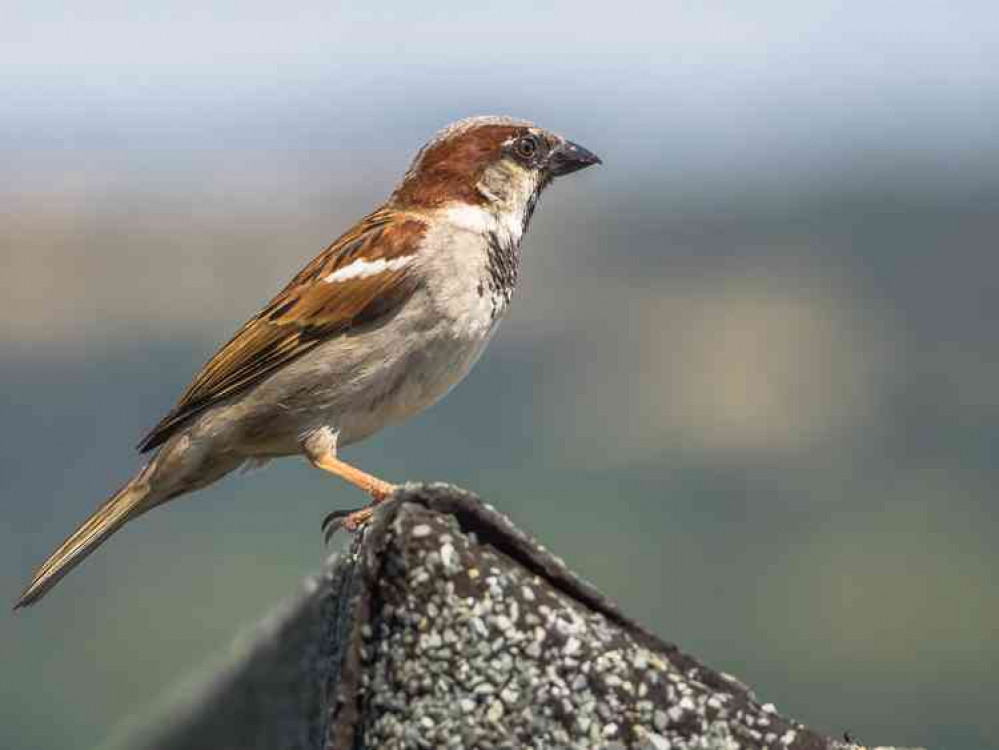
column 379, row 326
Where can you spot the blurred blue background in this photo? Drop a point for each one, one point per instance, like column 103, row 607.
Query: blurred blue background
column 749, row 386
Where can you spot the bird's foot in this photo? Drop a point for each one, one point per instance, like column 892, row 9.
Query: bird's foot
column 353, row 520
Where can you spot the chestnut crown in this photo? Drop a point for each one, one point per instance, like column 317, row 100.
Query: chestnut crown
column 452, row 165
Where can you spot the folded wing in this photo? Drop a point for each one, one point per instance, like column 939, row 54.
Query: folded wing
column 362, row 276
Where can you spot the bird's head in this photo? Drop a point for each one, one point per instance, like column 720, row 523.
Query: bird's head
column 497, row 163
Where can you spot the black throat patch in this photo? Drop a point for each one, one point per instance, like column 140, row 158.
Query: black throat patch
column 503, row 267
column 503, row 264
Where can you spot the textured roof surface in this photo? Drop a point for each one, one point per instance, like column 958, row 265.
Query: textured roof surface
column 446, row 627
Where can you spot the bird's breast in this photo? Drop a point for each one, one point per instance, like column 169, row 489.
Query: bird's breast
column 471, row 272
column 430, row 346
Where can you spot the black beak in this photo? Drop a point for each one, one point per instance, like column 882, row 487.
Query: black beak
column 570, row 157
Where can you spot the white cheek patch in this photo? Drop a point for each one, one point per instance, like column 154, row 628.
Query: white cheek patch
column 361, row 269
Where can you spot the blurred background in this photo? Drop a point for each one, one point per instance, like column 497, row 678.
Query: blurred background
column 749, row 386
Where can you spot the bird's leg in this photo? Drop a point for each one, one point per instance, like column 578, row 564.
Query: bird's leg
column 321, row 450
column 351, row 520
column 377, row 488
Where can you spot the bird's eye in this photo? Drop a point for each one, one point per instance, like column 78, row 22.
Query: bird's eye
column 527, row 146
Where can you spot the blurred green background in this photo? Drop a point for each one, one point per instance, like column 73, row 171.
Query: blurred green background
column 749, row 386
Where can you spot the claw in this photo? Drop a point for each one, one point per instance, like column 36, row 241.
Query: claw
column 335, row 515
column 333, row 522
column 352, row 520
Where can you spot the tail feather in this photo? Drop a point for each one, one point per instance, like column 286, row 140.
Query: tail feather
column 124, row 505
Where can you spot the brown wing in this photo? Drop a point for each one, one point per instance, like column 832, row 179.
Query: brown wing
column 317, row 304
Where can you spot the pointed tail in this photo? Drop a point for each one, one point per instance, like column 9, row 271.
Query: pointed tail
column 124, row 505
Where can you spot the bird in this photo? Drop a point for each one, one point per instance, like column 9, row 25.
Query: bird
column 379, row 326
